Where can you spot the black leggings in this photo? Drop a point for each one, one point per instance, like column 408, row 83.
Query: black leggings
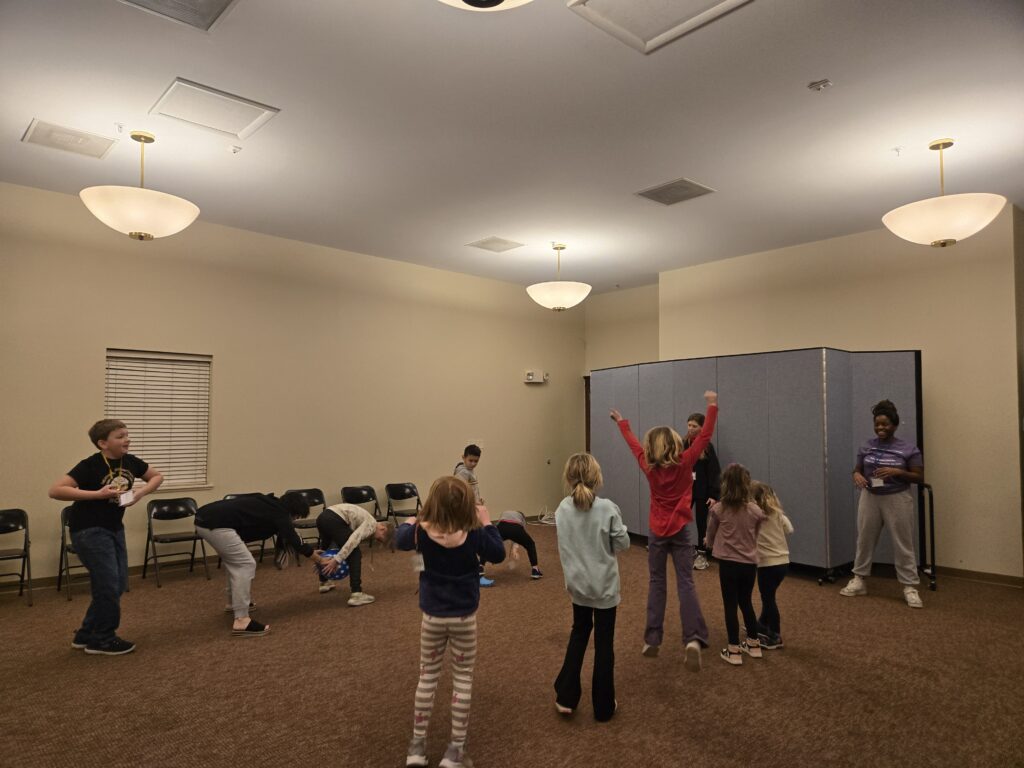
column 334, row 532
column 517, row 533
column 768, row 580
column 567, row 684
column 737, row 581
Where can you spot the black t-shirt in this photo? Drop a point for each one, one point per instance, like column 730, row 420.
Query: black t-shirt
column 95, row 473
column 253, row 518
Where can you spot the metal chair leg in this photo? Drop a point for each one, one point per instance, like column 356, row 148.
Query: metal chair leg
column 206, row 568
column 156, row 566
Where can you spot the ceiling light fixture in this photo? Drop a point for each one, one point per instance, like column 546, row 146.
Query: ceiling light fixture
column 942, row 221
column 558, row 294
column 486, row 5
column 140, row 213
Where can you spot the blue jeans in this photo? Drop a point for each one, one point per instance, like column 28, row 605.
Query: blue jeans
column 105, row 556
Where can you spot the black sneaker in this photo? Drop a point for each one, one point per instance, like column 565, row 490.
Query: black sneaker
column 115, row 647
column 80, row 640
column 535, row 573
column 770, row 642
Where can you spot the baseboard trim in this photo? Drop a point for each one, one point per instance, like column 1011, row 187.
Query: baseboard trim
column 986, row 578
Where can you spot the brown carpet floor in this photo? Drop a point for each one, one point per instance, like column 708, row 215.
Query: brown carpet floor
column 861, row 682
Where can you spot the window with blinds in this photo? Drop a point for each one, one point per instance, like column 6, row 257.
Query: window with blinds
column 165, row 401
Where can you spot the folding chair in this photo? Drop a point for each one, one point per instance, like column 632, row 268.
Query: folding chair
column 67, row 549
column 12, row 521
column 361, row 495
column 402, row 493
column 172, row 509
column 314, row 498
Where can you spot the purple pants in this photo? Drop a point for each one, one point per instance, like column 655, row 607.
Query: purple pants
column 680, row 548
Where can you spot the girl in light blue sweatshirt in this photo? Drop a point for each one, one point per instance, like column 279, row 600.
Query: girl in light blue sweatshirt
column 590, row 532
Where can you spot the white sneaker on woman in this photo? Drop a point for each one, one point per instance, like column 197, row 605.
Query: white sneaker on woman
column 854, row 588
column 913, row 599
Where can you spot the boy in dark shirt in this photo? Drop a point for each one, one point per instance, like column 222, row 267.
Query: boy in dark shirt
column 227, row 525
column 102, row 487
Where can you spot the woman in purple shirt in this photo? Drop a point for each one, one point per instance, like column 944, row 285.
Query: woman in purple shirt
column 886, row 466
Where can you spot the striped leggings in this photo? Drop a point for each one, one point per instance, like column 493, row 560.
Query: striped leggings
column 435, row 634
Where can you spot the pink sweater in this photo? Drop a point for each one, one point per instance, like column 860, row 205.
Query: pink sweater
column 732, row 532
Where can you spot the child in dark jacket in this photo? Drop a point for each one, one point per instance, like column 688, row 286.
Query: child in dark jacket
column 451, row 535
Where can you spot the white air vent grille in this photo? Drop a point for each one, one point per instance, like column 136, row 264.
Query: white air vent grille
column 68, row 139
column 209, row 108
column 675, row 192
column 496, row 244
column 649, row 24
column 201, row 14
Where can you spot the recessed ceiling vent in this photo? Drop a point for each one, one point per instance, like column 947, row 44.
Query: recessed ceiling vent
column 68, row 139
column 675, row 192
column 496, row 244
column 201, row 14
column 209, row 108
column 649, row 24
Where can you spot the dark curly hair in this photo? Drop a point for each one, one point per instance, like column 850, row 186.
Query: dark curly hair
column 888, row 409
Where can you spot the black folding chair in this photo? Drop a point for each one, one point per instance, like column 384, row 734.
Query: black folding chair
column 67, row 549
column 172, row 509
column 363, row 496
column 13, row 521
column 306, row 526
column 402, row 493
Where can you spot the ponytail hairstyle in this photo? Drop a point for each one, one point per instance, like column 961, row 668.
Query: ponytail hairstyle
column 765, row 498
column 450, row 506
column 735, row 486
column 662, row 447
column 888, row 409
column 582, row 477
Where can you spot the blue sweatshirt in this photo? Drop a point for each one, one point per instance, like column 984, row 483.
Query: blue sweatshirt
column 450, row 579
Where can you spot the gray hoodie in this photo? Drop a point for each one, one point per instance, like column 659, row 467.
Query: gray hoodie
column 587, row 543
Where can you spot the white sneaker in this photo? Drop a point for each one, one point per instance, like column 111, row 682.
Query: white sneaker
column 360, row 598
column 854, row 588
column 650, row 651
column 913, row 599
column 700, row 563
column 692, row 659
column 326, row 586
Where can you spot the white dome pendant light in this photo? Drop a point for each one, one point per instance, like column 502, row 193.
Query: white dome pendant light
column 140, row 213
column 558, row 295
column 944, row 220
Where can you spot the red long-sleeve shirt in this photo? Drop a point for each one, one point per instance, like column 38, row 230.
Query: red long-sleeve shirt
column 671, row 486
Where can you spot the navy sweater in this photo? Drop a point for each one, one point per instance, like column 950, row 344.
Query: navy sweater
column 450, row 580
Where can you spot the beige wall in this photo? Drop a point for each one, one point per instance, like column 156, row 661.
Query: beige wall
column 329, row 368
column 622, row 327
column 873, row 291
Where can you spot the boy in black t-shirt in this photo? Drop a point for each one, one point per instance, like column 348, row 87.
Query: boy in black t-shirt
column 102, row 487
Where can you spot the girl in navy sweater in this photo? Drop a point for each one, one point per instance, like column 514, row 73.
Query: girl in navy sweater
column 451, row 536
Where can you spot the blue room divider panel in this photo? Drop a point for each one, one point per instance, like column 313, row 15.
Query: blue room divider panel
column 616, row 388
column 840, row 499
column 743, row 422
column 796, row 438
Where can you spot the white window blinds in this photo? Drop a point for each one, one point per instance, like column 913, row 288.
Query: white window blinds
column 165, row 401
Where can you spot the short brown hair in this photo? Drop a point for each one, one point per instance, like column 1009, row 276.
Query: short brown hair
column 450, row 506
column 101, row 429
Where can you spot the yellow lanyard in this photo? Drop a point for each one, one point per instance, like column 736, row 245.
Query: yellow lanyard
column 110, row 469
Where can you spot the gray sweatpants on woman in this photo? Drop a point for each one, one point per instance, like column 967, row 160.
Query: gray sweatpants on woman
column 896, row 512
column 239, row 565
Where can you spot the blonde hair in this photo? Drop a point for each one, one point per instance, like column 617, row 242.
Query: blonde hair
column 735, row 486
column 765, row 498
column 582, row 477
column 662, row 447
column 450, row 506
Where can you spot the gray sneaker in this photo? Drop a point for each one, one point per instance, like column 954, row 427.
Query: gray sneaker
column 913, row 599
column 455, row 757
column 417, row 754
column 854, row 588
column 700, row 563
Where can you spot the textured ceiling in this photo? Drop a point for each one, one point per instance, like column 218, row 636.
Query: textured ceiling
column 409, row 128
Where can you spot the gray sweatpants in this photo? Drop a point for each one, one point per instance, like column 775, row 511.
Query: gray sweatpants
column 239, row 565
column 896, row 512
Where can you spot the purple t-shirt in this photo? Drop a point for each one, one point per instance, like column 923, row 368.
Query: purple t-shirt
column 891, row 453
